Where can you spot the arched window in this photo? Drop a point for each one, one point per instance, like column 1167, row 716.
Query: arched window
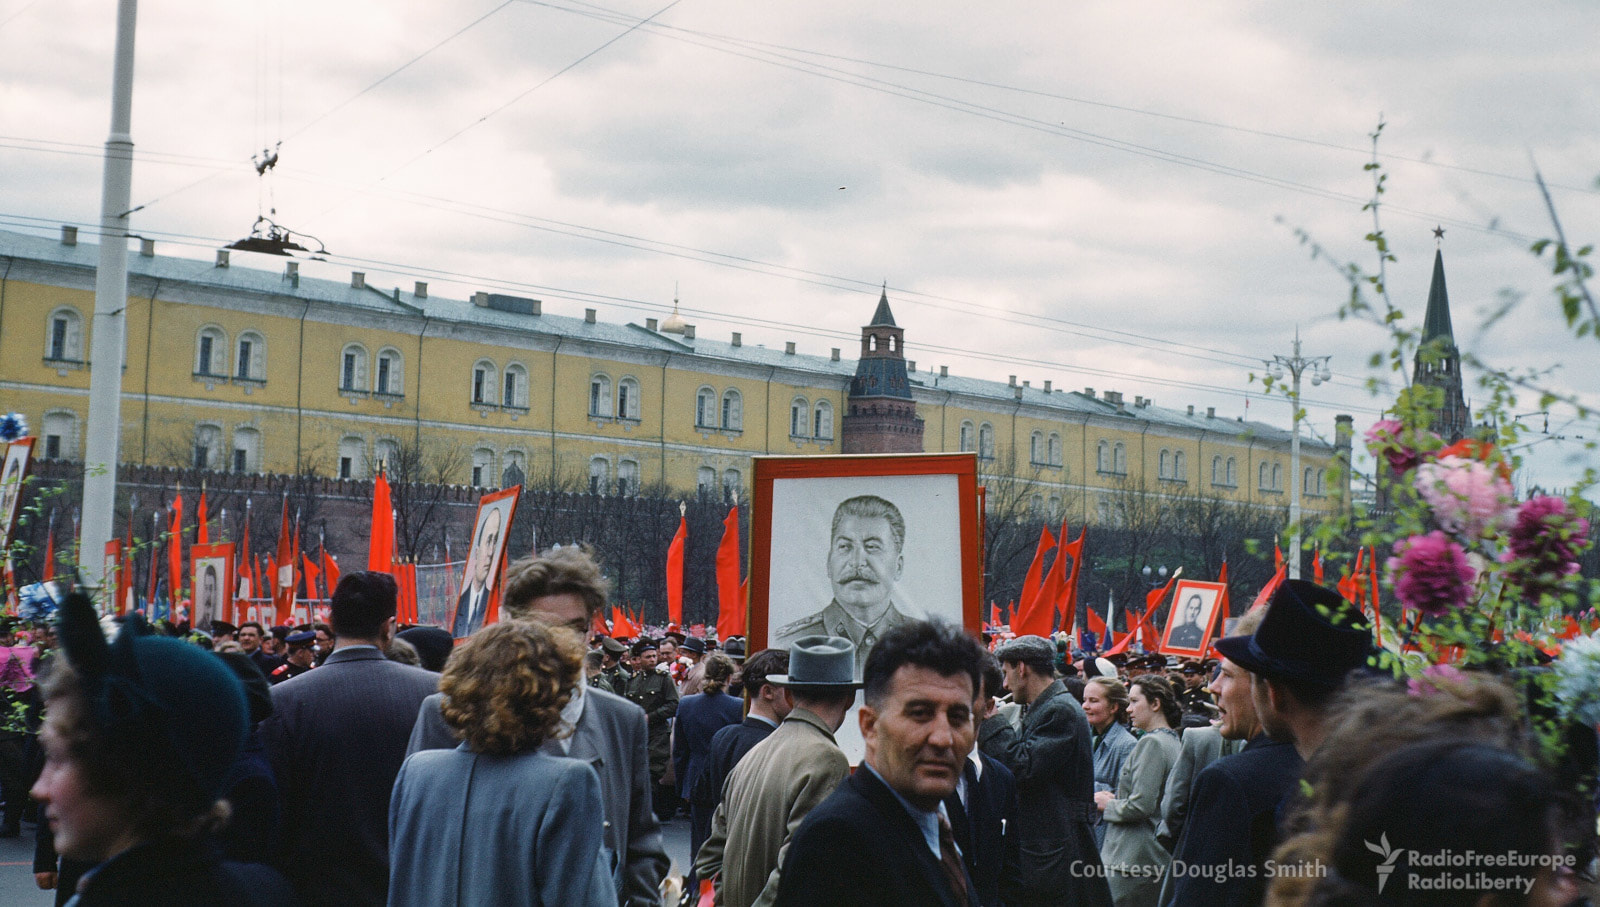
column 799, row 411
column 969, row 437
column 353, row 368
column 63, row 338
column 386, row 455
column 986, row 441
column 1036, row 504
column 1233, row 473
column 1216, row 471
column 1055, row 504
column 599, row 474
column 1036, row 451
column 1180, row 466
column 822, row 421
column 1265, row 477
column 705, row 408
column 706, row 481
column 352, row 457
column 482, row 390
column 628, row 477
column 1277, row 477
column 732, row 483
column 246, row 450
column 732, row 410
column 60, row 434
column 1308, row 485
column 600, row 396
column 1119, row 458
column 390, row 378
column 482, row 467
column 211, row 352
column 1102, row 457
column 1322, row 481
column 207, row 446
column 628, row 399
column 516, row 469
column 1164, row 470
column 514, row 393
column 1055, row 449
column 250, row 357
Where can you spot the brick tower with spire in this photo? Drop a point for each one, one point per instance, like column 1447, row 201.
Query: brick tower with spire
column 881, row 417
column 1438, row 362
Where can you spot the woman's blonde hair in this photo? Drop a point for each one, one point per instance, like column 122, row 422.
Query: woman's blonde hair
column 505, row 687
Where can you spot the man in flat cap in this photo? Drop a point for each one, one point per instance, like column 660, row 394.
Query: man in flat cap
column 865, row 560
column 1051, row 756
column 777, row 784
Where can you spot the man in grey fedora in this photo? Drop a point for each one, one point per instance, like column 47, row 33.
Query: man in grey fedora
column 783, row 777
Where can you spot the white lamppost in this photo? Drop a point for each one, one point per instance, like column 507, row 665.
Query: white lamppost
column 1317, row 367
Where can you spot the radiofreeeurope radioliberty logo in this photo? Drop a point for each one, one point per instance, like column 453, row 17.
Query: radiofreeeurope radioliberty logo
column 1389, row 854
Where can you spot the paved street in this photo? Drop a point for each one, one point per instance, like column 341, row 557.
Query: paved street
column 16, row 864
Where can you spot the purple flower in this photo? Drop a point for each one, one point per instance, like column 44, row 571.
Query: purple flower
column 1384, row 440
column 1432, row 676
column 1544, row 544
column 1468, row 497
column 1431, row 573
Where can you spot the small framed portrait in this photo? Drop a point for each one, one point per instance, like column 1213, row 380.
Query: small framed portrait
column 1193, row 618
column 19, row 459
column 211, row 576
column 478, row 600
column 852, row 545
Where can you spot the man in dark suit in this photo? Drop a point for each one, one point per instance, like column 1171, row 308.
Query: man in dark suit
column 336, row 738
column 1050, row 754
column 883, row 835
column 983, row 807
column 564, row 588
column 1287, row 670
column 473, row 604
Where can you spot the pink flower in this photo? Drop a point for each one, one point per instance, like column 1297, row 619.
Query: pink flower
column 1432, row 676
column 1468, row 497
column 1544, row 544
column 1431, row 573
column 1384, row 440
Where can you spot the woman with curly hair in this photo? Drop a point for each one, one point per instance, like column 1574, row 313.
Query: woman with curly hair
column 1135, row 861
column 501, row 820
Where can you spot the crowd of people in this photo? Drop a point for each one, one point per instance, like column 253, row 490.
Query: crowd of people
column 356, row 762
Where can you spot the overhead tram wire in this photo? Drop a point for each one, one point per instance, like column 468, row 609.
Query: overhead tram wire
column 1197, row 121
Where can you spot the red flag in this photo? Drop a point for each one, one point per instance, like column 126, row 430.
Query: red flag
column 50, row 549
column 1038, row 619
column 202, row 535
column 1372, row 589
column 675, row 568
column 246, row 578
column 1154, row 598
column 330, row 572
column 1121, row 645
column 283, row 573
column 1069, row 604
column 620, row 626
column 1026, row 619
column 598, row 627
column 1316, row 566
column 1096, row 625
column 1277, row 558
column 730, row 591
column 380, row 550
column 994, row 615
column 311, row 572
column 175, row 555
column 1267, row 591
column 125, row 578
column 1148, row 637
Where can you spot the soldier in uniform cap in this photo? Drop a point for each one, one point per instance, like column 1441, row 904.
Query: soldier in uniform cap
column 613, row 676
column 301, row 658
column 655, row 692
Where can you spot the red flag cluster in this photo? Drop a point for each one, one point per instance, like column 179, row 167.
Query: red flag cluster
column 1056, row 594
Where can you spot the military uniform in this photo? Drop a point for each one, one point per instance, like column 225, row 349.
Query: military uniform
column 655, row 692
column 285, row 671
column 615, row 679
column 1196, row 699
column 834, row 620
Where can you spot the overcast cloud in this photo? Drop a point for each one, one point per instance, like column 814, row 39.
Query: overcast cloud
column 1000, row 165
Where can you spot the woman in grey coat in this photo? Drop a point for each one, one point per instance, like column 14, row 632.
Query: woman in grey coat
column 497, row 820
column 1105, row 704
column 1134, row 860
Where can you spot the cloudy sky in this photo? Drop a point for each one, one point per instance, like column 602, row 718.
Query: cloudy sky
column 1104, row 194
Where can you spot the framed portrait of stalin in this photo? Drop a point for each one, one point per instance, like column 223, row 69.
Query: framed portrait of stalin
column 478, row 600
column 1192, row 619
column 211, row 575
column 850, row 546
column 13, row 473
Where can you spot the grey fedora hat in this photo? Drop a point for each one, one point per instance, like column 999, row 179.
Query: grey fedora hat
column 827, row 662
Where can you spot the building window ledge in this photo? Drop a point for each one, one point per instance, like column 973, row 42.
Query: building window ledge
column 1232, row 486
column 1123, row 473
column 1171, row 481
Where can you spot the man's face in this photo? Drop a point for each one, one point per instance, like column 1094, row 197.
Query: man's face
column 564, row 609
column 208, row 590
column 669, row 651
column 777, row 699
column 272, row 645
column 324, row 640
column 1016, row 675
column 863, row 563
column 483, row 556
column 921, row 734
column 607, row 661
column 301, row 655
column 648, row 659
column 1191, row 610
column 1235, row 702
column 250, row 638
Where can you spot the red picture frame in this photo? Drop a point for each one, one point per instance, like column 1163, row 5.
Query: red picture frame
column 208, row 565
column 502, row 502
column 1191, row 642
column 14, row 473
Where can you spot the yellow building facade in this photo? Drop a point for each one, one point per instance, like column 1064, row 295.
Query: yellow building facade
column 236, row 368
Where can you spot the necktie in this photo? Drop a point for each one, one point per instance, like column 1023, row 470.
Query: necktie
column 950, row 862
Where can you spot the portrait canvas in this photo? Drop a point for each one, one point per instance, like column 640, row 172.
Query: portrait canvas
column 852, row 546
column 1192, row 619
column 19, row 458
column 210, row 579
column 478, row 599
